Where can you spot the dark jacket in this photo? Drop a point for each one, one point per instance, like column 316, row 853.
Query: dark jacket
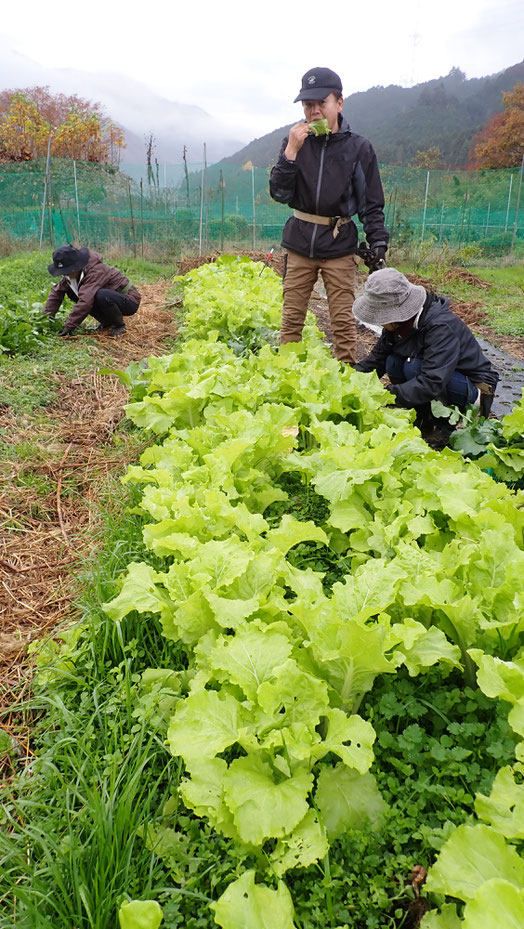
column 443, row 343
column 96, row 275
column 333, row 175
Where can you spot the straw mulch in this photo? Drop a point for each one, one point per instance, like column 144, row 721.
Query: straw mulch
column 50, row 501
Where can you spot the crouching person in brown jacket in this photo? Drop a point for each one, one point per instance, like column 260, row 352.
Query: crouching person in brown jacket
column 96, row 289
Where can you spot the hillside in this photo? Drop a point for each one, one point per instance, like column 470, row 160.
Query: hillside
column 445, row 112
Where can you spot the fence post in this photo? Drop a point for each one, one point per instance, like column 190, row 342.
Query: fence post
column 486, row 233
column 466, row 198
column 76, row 197
column 425, row 208
column 509, row 198
column 44, row 201
column 517, row 207
column 202, row 200
column 132, row 218
column 441, row 221
column 221, row 184
column 393, row 216
column 142, row 214
column 254, row 206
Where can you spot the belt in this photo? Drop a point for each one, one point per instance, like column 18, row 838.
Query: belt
column 334, row 221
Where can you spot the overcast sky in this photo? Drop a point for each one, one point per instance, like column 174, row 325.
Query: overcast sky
column 242, row 63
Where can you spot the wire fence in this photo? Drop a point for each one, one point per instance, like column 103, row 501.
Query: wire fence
column 198, row 206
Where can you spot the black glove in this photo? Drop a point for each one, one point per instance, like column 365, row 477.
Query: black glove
column 65, row 332
column 379, row 256
column 372, row 256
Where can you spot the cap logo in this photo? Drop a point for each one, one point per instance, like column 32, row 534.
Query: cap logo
column 60, row 265
column 312, row 79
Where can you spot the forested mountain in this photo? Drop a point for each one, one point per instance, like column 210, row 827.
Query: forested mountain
column 445, row 113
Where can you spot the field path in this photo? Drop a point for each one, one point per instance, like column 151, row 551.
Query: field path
column 49, row 500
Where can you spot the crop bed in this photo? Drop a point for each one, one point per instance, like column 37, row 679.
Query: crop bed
column 317, row 644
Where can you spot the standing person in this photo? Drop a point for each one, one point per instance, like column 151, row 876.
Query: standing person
column 425, row 349
column 326, row 179
column 97, row 289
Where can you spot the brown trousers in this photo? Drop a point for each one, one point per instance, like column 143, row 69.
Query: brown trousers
column 338, row 275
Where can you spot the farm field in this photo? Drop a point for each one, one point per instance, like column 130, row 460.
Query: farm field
column 276, row 638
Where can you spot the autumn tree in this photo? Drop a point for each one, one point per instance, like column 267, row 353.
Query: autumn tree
column 501, row 143
column 23, row 131
column 431, row 158
column 78, row 128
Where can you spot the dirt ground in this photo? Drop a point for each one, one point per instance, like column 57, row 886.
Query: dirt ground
column 46, row 538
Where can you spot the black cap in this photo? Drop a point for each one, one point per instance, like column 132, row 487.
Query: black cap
column 67, row 259
column 319, row 83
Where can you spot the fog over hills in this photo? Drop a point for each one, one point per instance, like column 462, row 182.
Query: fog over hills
column 134, row 107
column 445, row 112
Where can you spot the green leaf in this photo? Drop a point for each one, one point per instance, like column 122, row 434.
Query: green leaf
column 347, row 654
column 250, row 657
column 261, row 807
column 348, row 800
column 343, row 729
column 497, row 678
column 229, row 612
column 292, row 531
column 140, row 591
column 204, row 725
column 370, row 590
column 497, row 904
column 448, row 918
column 221, row 562
column 471, row 856
column 246, row 905
column 293, row 696
column 203, row 793
column 319, row 127
column 423, row 647
column 302, row 847
column 504, row 808
column 140, row 914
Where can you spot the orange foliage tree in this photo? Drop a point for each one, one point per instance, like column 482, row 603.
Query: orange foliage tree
column 78, row 128
column 501, row 143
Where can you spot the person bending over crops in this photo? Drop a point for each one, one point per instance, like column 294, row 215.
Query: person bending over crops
column 96, row 289
column 326, row 173
column 427, row 352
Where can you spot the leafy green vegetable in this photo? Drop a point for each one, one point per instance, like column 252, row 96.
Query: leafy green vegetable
column 319, row 127
column 140, row 914
column 246, row 905
column 430, row 563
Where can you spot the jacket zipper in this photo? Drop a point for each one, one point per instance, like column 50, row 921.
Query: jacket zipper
column 319, row 184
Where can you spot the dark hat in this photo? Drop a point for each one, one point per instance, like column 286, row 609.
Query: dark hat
column 388, row 298
column 67, row 258
column 319, row 83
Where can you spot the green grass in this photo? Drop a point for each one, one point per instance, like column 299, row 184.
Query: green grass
column 503, row 301
column 69, row 844
column 28, row 382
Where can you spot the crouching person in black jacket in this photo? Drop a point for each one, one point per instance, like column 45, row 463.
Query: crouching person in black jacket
column 427, row 352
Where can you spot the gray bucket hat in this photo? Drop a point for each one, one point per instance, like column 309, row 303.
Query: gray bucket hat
column 388, row 298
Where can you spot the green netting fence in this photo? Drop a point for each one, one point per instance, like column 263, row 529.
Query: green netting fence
column 202, row 207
